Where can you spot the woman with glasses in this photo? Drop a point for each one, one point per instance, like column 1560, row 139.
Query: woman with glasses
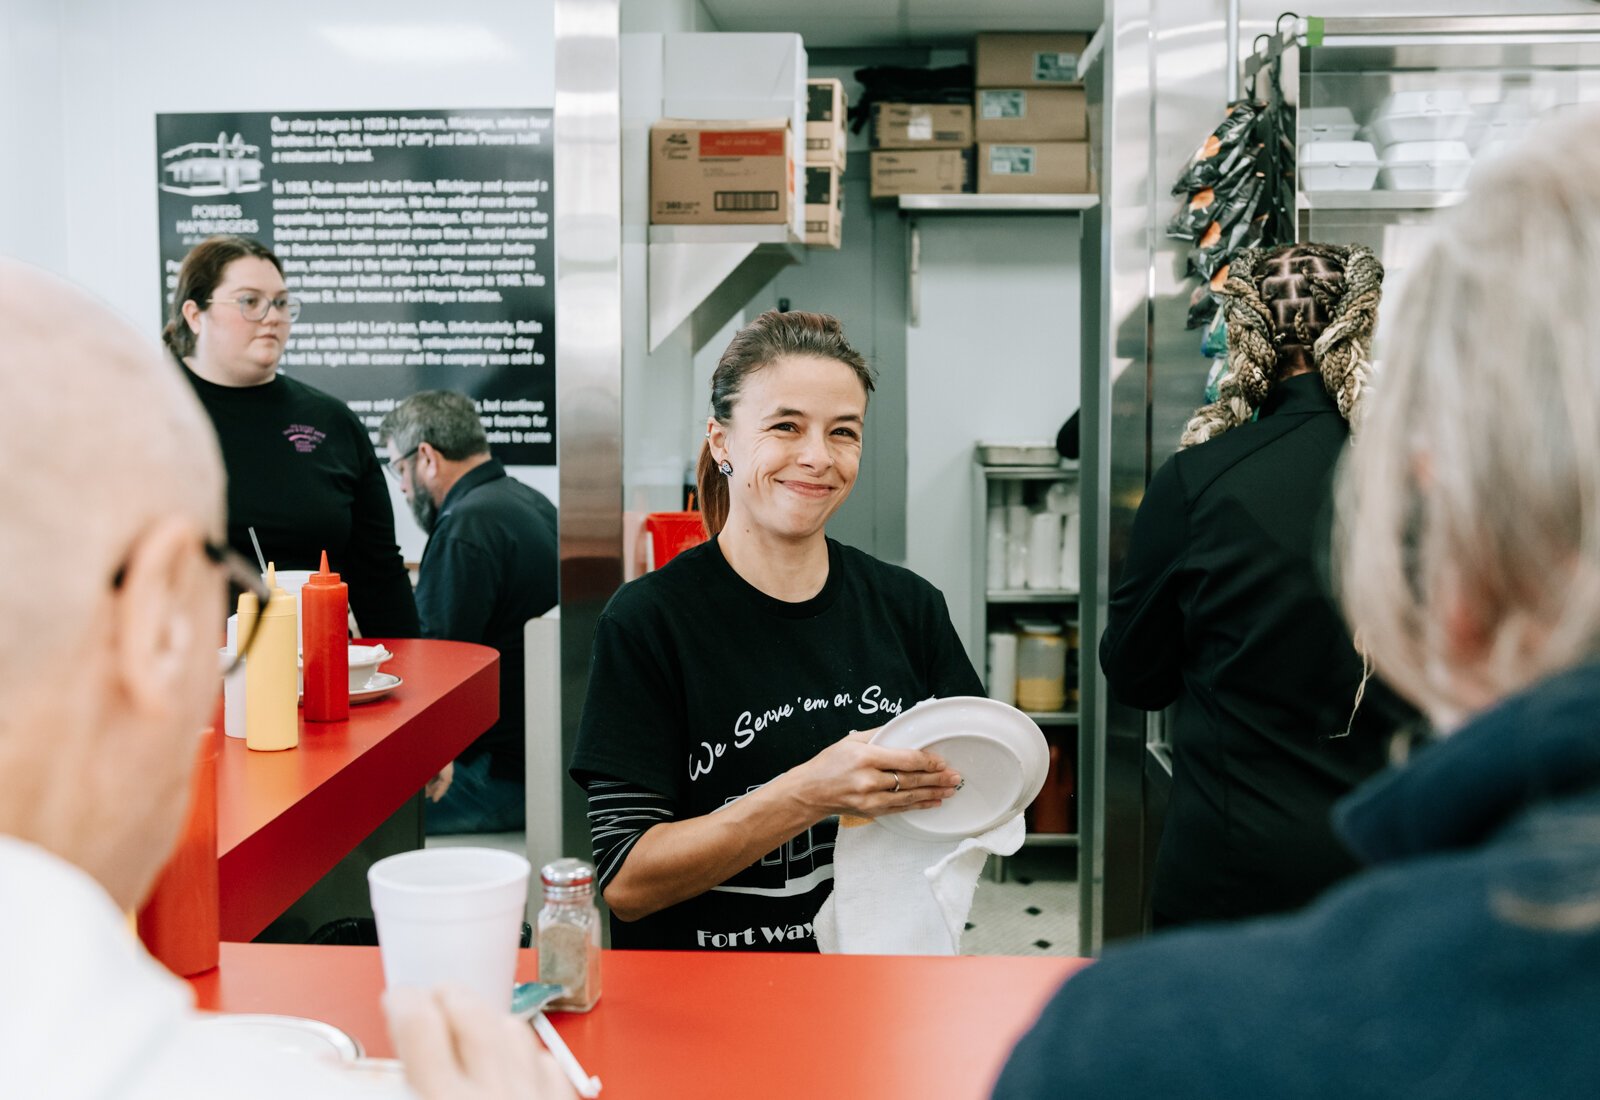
column 301, row 469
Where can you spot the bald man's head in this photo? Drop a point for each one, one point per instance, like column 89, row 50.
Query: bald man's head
column 112, row 613
column 113, row 439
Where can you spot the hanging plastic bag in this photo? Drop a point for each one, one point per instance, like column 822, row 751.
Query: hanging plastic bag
column 1220, row 152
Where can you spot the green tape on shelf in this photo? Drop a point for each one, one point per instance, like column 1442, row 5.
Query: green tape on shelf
column 1313, row 30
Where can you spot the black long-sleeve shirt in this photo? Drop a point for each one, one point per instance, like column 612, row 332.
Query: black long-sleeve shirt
column 302, row 472
column 1222, row 610
column 491, row 564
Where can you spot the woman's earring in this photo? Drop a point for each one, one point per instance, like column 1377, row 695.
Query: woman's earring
column 725, row 468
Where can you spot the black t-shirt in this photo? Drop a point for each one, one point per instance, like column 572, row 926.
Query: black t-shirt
column 703, row 688
column 303, row 473
column 492, row 564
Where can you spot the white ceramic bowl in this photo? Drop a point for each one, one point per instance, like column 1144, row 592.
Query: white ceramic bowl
column 364, row 661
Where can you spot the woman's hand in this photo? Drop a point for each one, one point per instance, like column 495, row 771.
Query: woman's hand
column 852, row 776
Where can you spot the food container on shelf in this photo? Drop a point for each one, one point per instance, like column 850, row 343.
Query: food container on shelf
column 1018, row 454
column 1426, row 166
column 1041, row 665
column 1338, row 166
column 1501, row 122
column 1439, row 115
column 1326, row 124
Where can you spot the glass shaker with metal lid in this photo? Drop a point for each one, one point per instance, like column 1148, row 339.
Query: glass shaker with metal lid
column 569, row 934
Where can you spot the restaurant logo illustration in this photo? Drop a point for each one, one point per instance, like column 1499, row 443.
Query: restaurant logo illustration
column 226, row 166
column 304, row 437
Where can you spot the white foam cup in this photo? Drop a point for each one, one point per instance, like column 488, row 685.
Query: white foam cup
column 1003, row 667
column 451, row 916
column 232, row 697
column 1044, row 550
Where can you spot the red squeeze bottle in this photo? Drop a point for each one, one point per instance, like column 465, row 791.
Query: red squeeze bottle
column 325, row 637
column 180, row 922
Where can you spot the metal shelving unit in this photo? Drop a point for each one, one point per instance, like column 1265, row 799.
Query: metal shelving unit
column 1058, row 603
column 998, row 204
column 1378, row 200
column 1533, row 63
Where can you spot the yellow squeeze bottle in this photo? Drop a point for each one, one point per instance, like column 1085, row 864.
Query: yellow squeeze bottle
column 245, row 617
column 271, row 722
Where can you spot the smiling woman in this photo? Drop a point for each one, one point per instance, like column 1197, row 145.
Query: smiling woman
column 301, row 469
column 718, row 741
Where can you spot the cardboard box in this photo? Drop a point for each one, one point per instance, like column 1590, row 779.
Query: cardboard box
column 921, row 125
column 824, row 206
column 1027, row 60
column 721, row 172
column 1031, row 114
column 730, row 76
column 1033, row 168
column 825, row 118
column 921, row 172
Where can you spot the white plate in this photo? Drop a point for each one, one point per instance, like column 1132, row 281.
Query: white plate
column 381, row 684
column 291, row 1034
column 378, row 685
column 381, row 1078
column 1000, row 753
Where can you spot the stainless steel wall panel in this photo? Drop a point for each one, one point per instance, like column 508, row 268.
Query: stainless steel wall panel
column 588, row 213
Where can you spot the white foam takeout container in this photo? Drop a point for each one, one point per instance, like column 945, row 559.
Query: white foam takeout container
column 1338, row 166
column 1441, row 114
column 1327, row 124
column 1426, row 166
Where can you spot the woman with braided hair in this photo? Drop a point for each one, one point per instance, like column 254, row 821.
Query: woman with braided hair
column 1221, row 607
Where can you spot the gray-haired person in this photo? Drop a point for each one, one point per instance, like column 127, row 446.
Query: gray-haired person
column 1465, row 961
column 490, row 565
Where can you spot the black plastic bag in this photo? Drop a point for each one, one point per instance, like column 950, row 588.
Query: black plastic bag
column 897, row 84
column 1219, row 154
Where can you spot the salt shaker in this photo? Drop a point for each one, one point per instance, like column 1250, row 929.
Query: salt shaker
column 569, row 934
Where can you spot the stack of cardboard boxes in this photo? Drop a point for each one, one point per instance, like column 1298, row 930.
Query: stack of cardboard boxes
column 824, row 162
column 1028, row 117
column 921, row 149
column 1032, row 117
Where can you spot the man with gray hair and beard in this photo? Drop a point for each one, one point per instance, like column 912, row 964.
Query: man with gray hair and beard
column 113, row 574
column 490, row 565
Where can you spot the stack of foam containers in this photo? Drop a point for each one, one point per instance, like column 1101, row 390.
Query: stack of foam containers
column 1421, row 136
column 1330, row 158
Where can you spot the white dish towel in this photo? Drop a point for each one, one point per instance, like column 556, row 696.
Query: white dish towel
column 896, row 896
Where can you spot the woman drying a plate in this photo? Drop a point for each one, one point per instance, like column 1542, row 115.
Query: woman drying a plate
column 718, row 740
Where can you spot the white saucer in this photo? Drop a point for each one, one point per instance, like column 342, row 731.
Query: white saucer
column 381, row 684
column 294, row 1035
column 1001, row 754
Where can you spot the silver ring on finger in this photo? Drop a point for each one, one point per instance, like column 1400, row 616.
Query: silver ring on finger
column 896, row 782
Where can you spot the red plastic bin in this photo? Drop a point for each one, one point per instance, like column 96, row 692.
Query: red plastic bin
column 671, row 533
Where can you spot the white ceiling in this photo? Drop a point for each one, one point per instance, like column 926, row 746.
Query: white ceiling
column 881, row 23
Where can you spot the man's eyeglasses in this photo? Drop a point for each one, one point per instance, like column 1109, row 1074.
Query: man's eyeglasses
column 242, row 578
column 393, row 468
column 255, row 307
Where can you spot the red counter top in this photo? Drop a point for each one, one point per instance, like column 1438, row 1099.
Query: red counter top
column 702, row 1024
column 285, row 818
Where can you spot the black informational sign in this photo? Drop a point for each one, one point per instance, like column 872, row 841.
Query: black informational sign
column 421, row 242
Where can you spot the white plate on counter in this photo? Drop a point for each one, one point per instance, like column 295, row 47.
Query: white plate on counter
column 381, row 684
column 1000, row 753
column 290, row 1035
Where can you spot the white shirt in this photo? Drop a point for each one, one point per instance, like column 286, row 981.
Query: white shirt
column 86, row 1013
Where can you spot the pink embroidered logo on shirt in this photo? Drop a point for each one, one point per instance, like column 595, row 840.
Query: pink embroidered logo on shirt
column 304, row 437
